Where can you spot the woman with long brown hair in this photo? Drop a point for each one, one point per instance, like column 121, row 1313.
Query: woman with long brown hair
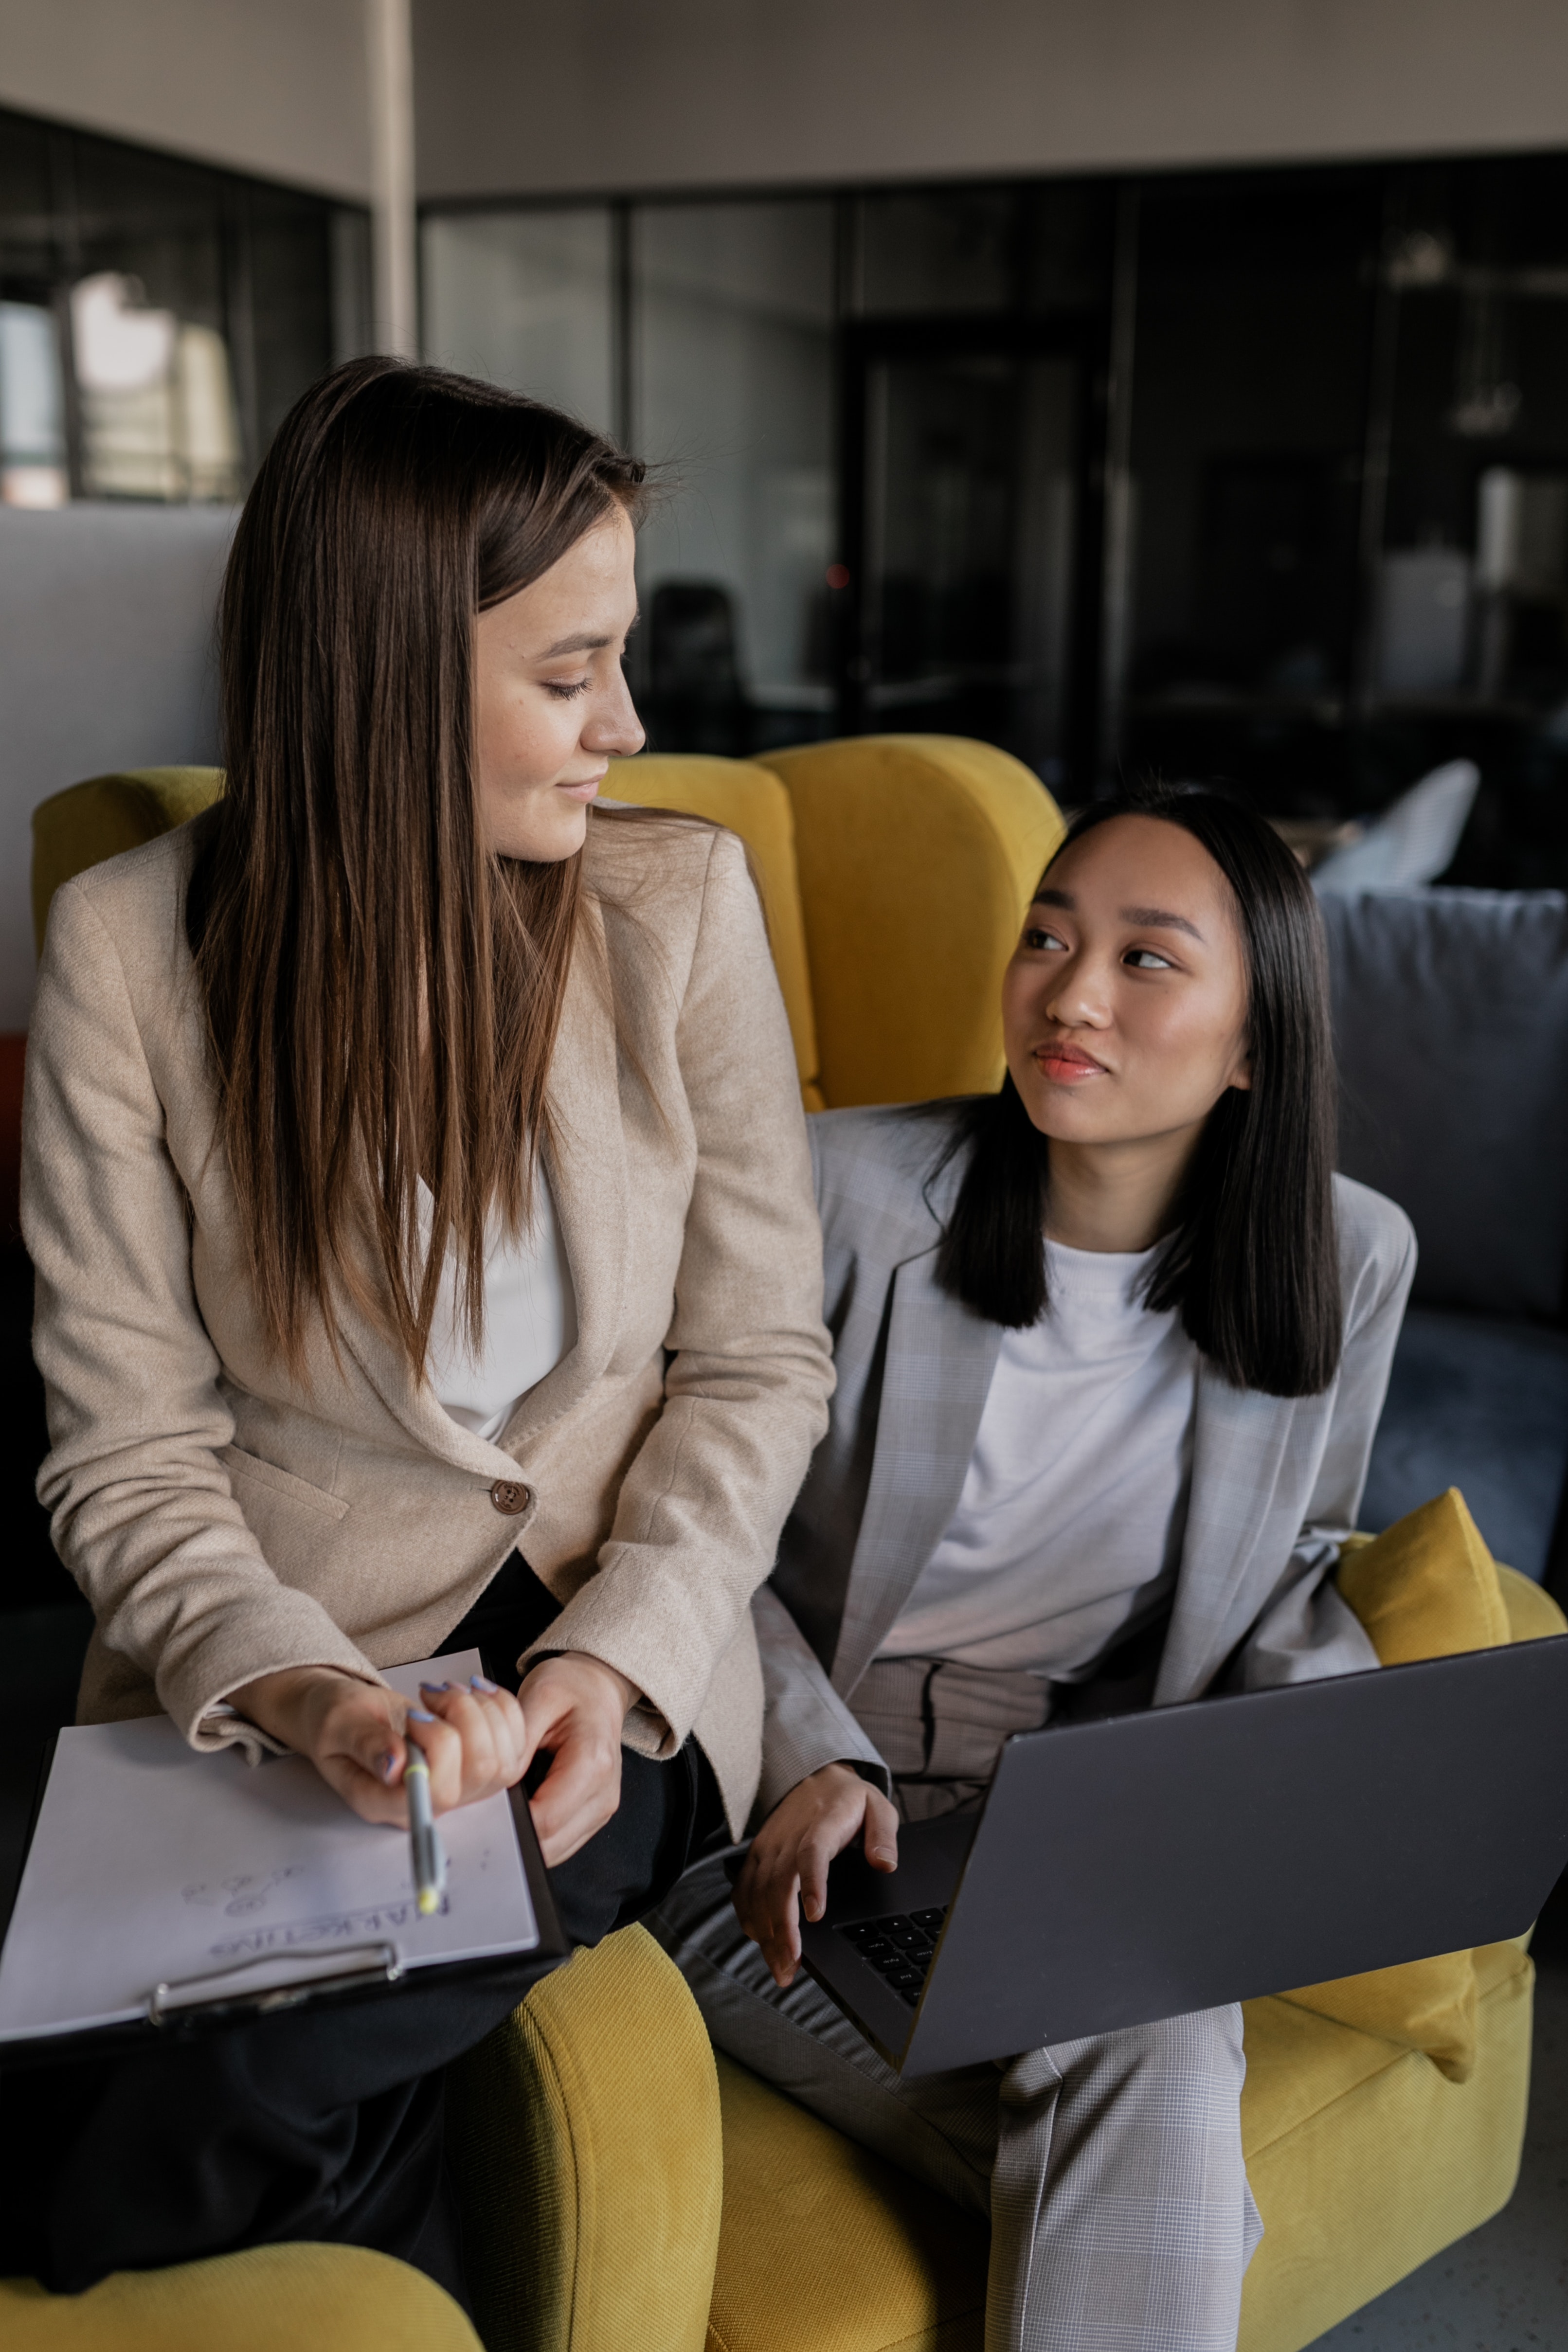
column 419, row 1190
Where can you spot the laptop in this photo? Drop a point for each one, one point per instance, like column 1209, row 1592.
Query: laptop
column 1144, row 1865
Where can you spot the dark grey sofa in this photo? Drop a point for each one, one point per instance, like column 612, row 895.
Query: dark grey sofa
column 1451, row 1021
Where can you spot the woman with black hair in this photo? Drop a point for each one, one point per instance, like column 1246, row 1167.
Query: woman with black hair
column 1112, row 1346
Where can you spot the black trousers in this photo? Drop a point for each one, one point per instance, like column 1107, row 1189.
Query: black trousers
column 325, row 2122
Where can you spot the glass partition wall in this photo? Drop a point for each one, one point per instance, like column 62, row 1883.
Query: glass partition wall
column 731, row 390
column 872, row 426
column 1252, row 474
column 157, row 317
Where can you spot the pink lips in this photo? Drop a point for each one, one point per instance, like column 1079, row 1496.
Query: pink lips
column 1067, row 1064
column 586, row 789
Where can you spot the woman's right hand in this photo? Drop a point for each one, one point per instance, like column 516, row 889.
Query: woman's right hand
column 785, row 1871
column 353, row 1733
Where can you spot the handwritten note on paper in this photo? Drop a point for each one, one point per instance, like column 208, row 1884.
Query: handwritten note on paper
column 154, row 1865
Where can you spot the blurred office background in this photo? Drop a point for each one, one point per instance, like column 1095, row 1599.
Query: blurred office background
column 1253, row 472
column 1187, row 389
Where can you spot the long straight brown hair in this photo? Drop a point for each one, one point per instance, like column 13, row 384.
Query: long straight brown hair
column 382, row 993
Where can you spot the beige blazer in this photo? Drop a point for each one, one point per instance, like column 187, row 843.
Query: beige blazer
column 225, row 1521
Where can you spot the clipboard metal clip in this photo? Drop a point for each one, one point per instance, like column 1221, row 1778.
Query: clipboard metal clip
column 334, row 1970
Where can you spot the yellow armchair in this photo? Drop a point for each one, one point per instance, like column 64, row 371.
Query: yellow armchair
column 1366, row 2157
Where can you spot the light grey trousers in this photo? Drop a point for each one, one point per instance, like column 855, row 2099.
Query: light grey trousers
column 1110, row 2170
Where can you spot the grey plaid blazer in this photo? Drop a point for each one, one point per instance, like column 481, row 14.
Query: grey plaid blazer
column 1275, row 1484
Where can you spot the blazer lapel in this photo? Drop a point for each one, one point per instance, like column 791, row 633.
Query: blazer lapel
column 1240, row 1445
column 411, row 1402
column 937, row 1374
column 587, row 1171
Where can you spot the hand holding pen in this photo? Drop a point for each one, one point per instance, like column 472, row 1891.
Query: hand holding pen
column 482, row 1711
column 472, row 1737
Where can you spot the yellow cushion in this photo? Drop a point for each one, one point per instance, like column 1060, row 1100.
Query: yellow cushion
column 271, row 2299
column 1427, row 1587
column 917, row 855
column 88, row 822
column 1424, row 2005
column 586, row 2140
column 751, row 802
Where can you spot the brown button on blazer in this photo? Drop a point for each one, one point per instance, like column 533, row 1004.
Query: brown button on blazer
column 225, row 1521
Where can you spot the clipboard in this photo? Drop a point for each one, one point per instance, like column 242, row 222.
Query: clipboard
column 239, row 1987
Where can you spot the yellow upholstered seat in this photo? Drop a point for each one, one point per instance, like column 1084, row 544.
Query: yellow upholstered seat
column 1365, row 2161
column 827, row 2248
column 1327, row 2114
column 271, row 2299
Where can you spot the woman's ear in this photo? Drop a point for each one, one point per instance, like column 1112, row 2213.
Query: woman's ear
column 1240, row 1078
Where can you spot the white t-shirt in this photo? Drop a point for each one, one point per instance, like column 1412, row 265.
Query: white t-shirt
column 1074, row 1507
column 530, row 1319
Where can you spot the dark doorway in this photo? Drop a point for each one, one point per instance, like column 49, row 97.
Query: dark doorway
column 971, row 536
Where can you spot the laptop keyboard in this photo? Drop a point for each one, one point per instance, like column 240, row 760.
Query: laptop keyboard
column 899, row 1948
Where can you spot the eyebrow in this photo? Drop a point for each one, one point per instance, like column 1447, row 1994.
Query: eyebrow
column 1154, row 918
column 582, row 644
column 1160, row 918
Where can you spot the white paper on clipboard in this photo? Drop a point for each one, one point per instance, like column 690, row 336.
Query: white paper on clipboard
column 151, row 1864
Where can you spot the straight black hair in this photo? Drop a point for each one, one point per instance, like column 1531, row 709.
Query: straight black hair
column 1253, row 1261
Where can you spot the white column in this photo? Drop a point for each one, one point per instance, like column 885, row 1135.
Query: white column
column 389, row 33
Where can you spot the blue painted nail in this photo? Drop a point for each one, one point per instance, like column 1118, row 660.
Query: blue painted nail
column 479, row 1683
column 388, row 1765
column 434, row 1686
column 417, row 1715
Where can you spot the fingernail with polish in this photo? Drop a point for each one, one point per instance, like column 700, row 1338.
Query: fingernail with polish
column 434, row 1686
column 417, row 1715
column 479, row 1683
column 388, row 1765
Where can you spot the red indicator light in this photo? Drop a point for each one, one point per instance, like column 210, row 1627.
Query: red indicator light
column 838, row 575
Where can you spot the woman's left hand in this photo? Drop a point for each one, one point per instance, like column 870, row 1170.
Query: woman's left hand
column 574, row 1707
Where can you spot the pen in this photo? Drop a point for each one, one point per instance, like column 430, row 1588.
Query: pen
column 429, row 1855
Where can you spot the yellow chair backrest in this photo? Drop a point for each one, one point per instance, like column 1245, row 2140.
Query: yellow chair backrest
column 88, row 822
column 894, row 871
column 917, row 855
column 751, row 800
